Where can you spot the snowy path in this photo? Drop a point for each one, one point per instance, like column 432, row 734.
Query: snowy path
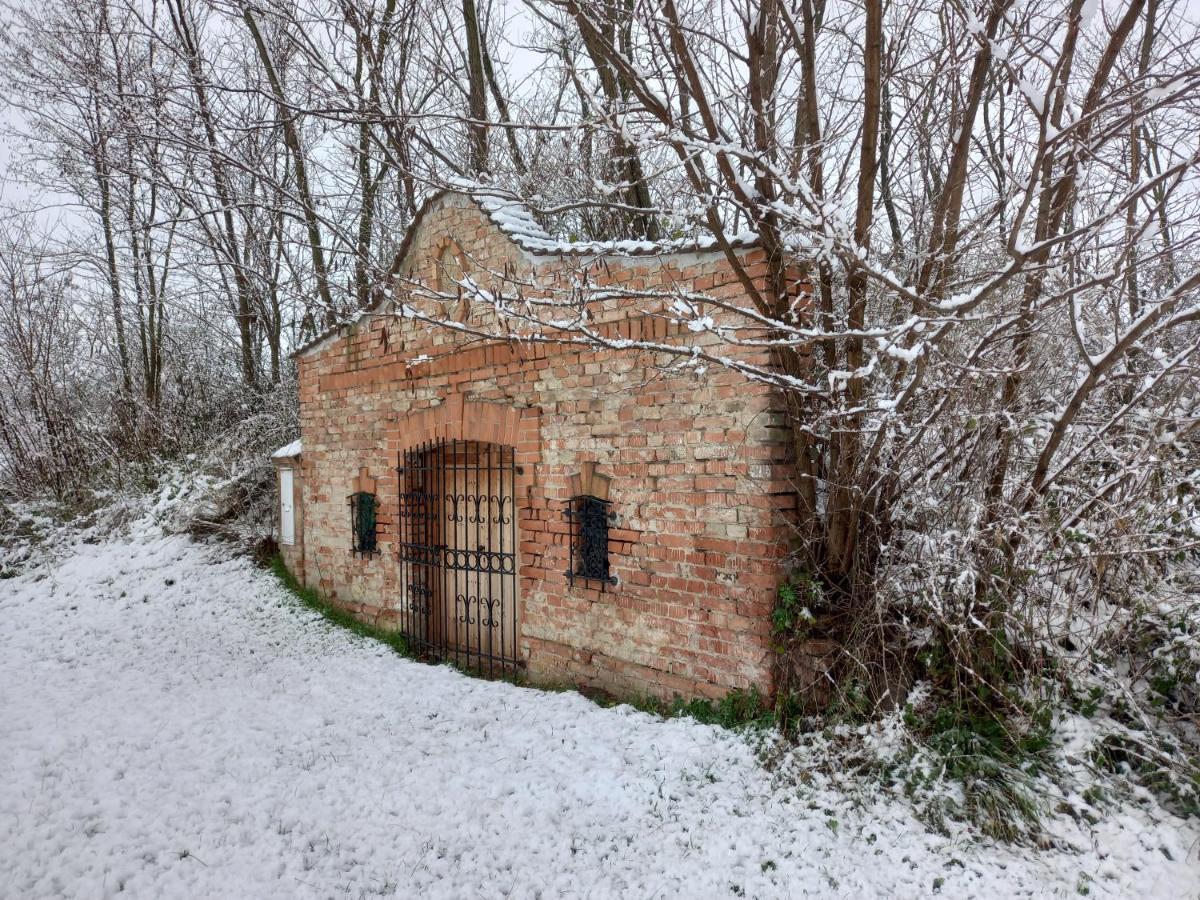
column 174, row 724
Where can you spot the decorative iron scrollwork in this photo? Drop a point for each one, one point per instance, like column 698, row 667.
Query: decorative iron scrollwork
column 589, row 518
column 419, row 599
column 464, row 602
column 485, row 610
column 457, row 543
column 477, row 517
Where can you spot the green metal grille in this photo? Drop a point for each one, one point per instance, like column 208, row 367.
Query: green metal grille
column 362, row 522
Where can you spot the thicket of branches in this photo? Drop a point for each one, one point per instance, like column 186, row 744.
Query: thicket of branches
column 992, row 386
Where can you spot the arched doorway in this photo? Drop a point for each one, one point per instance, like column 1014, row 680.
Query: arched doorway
column 458, row 552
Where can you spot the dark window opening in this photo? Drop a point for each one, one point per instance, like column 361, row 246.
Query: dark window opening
column 362, row 524
column 589, row 518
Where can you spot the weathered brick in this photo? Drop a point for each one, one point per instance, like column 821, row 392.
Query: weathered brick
column 698, row 468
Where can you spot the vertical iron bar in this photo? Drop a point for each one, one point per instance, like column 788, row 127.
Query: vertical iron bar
column 451, row 541
column 432, row 459
column 446, row 541
column 406, row 486
column 412, row 481
column 499, row 620
column 426, row 548
column 440, row 509
column 491, row 601
column 511, row 469
column 416, row 488
column 456, row 533
column 465, row 456
column 410, row 508
column 421, row 533
column 452, row 461
column 413, row 485
column 430, row 546
column 478, row 451
column 463, row 536
column 402, row 485
column 511, row 621
column 451, row 571
column 400, row 538
column 473, row 468
column 431, row 540
column 406, row 545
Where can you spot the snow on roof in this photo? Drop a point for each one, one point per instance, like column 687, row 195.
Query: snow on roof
column 517, row 222
column 287, row 450
column 513, row 218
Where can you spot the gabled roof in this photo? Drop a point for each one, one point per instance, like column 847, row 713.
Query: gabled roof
column 515, row 220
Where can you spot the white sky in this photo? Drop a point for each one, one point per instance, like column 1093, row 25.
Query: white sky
column 55, row 211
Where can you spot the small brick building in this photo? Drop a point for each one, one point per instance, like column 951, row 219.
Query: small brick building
column 604, row 517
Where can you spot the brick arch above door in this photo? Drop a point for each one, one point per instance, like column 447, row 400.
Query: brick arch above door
column 457, row 418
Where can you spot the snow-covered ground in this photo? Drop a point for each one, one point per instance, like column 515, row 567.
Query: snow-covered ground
column 174, row 724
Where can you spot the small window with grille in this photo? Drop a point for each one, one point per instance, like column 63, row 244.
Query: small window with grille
column 362, row 524
column 589, row 517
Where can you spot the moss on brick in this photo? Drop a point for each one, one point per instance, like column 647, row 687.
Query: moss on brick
column 698, row 469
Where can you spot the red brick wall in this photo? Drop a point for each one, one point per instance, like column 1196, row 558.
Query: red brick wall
column 697, row 465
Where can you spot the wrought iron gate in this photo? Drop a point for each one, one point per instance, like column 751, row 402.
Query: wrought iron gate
column 458, row 553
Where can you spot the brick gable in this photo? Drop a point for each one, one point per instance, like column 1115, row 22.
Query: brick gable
column 696, row 464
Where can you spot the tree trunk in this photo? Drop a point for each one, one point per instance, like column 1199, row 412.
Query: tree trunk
column 476, row 91
column 845, row 506
column 232, row 249
column 114, row 277
column 292, row 137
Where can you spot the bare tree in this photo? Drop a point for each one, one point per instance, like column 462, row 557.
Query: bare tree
column 975, row 290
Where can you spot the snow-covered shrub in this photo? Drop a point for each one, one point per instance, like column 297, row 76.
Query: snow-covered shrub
column 226, row 485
